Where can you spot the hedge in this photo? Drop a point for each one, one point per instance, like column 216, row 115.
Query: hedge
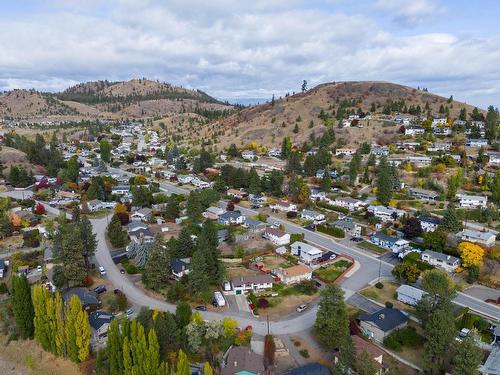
column 335, row 232
column 332, row 207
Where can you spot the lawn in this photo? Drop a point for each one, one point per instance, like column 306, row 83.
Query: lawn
column 333, row 271
column 387, row 293
column 99, row 213
column 275, row 261
column 372, row 247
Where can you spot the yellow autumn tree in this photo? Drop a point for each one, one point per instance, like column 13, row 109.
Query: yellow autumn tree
column 119, row 208
column 471, row 254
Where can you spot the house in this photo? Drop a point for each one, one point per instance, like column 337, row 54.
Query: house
column 285, row 206
column 3, row 268
column 379, row 150
column 67, row 195
column 315, row 217
column 483, row 238
column 429, row 223
column 392, row 243
column 439, row 147
column 428, row 195
column 24, row 216
column 476, row 143
column 231, row 218
column 381, row 323
column 385, row 213
column 144, row 214
column 345, row 151
column 472, row 201
column 316, row 194
column 492, row 364
column 277, row 236
column 439, row 121
column 447, row 262
column 100, row 322
column 409, row 294
column 348, row 226
column 351, row 204
column 180, row 266
column 120, row 190
column 307, row 253
column 375, row 353
column 136, row 225
column 252, row 283
column 141, row 235
column 414, row 130
column 275, row 152
column 87, row 298
column 248, row 155
column 213, row 213
column 320, row 173
column 257, row 198
column 93, row 205
column 293, row 275
column 236, row 193
column 243, row 361
column 254, row 225
column 419, row 161
column 314, row 368
column 494, row 158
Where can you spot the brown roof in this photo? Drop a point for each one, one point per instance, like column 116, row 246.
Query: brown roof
column 361, row 344
column 241, row 358
column 275, row 232
column 297, row 270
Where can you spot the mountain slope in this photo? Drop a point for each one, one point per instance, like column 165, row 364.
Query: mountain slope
column 298, row 115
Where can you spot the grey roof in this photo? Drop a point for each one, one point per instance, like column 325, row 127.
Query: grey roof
column 98, row 318
column 440, row 256
column 243, row 359
column 230, row 215
column 344, row 224
column 254, row 223
column 311, row 213
column 386, row 319
column 144, row 211
column 411, row 291
column 485, row 236
column 492, row 364
column 135, row 224
column 180, row 264
column 385, row 237
column 86, row 297
column 429, row 219
column 145, row 232
column 309, row 369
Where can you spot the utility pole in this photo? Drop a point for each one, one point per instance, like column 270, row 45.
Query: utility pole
column 379, row 268
column 268, row 327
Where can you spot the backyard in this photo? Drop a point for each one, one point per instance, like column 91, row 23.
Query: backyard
column 330, row 273
column 387, row 294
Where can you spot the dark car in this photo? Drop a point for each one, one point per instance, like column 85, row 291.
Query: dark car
column 122, row 271
column 201, row 308
column 100, row 289
column 310, row 227
column 318, row 284
column 117, row 291
column 255, row 207
column 356, row 239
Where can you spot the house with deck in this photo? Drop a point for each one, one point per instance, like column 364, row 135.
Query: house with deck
column 446, row 262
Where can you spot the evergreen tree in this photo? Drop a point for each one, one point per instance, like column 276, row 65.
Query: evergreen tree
column 254, row 184
column 286, row 148
column 184, row 245
column 439, row 333
column 332, row 323
column 105, row 148
column 194, row 207
column 450, row 222
column 467, row 357
column 293, row 163
column 5, row 226
column 384, row 182
column 326, row 182
column 495, row 188
column 491, row 124
column 116, row 234
column 72, row 248
column 310, row 165
column 354, row 166
column 365, row 364
column 198, row 277
column 22, row 306
column 41, row 319
column 89, row 240
column 157, row 269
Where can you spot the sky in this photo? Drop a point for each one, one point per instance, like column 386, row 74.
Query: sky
column 240, row 49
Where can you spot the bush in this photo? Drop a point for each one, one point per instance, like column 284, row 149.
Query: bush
column 131, row 269
column 304, row 353
column 335, row 232
column 389, row 304
column 342, row 210
column 121, row 301
column 296, row 237
column 3, row 288
column 481, row 325
column 403, row 337
column 291, row 214
column 263, row 303
column 379, row 285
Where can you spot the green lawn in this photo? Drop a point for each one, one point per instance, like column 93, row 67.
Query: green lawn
column 372, row 247
column 99, row 213
column 329, row 274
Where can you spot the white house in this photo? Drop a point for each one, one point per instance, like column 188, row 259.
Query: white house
column 351, row 204
column 248, row 155
column 316, row 194
column 275, row 152
column 121, row 190
column 414, row 130
column 428, row 195
column 93, row 205
column 285, row 206
column 483, row 238
column 348, row 226
column 253, row 283
column 439, row 147
column 419, row 161
column 293, row 275
column 184, row 179
column 143, row 214
column 379, row 150
column 213, row 213
column 180, row 267
column 307, row 253
column 429, row 223
column 472, row 201
column 476, row 142
column 494, row 158
column 394, row 244
column 447, row 262
column 439, row 121
column 345, row 151
column 277, row 236
column 385, row 213
column 231, row 218
column 316, row 217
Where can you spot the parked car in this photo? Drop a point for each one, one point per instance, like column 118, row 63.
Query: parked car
column 129, row 312
column 318, row 284
column 100, row 289
column 301, row 308
column 102, row 271
column 255, row 207
column 201, row 308
column 122, row 271
column 356, row 239
column 310, row 227
column 39, row 268
column 117, row 291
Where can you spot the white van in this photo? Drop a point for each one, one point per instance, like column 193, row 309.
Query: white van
column 102, row 271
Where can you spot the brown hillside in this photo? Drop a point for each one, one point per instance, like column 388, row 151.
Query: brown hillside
column 267, row 124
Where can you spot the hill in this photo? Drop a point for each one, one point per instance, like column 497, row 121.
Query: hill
column 137, row 98
column 304, row 114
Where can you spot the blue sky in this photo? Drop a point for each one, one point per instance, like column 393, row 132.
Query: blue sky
column 241, row 49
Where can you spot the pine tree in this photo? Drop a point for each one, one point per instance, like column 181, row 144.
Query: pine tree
column 286, row 148
column 185, row 245
column 198, row 277
column 254, row 183
column 450, row 222
column 326, row 182
column 72, row 248
column 22, row 306
column 157, row 269
column 467, row 357
column 384, row 182
column 89, row 241
column 116, row 234
column 365, row 364
column 194, row 207
column 142, row 253
column 439, row 333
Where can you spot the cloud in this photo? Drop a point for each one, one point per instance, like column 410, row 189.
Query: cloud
column 411, row 13
column 235, row 49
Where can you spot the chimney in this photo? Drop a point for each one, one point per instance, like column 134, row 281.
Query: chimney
column 235, row 364
column 381, row 316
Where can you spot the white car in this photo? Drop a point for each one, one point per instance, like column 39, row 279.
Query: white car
column 102, row 271
column 301, row 308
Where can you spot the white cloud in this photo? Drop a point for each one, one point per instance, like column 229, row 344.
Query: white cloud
column 411, row 13
column 236, row 49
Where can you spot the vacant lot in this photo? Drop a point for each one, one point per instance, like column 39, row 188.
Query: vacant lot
column 333, row 271
column 275, row 261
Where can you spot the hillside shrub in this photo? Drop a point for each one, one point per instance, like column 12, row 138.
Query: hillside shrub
column 263, row 303
column 335, row 232
column 291, row 214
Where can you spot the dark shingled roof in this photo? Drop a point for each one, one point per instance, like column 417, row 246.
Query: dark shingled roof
column 386, row 319
column 309, row 369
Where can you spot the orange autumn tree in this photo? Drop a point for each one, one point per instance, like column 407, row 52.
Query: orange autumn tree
column 471, row 254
